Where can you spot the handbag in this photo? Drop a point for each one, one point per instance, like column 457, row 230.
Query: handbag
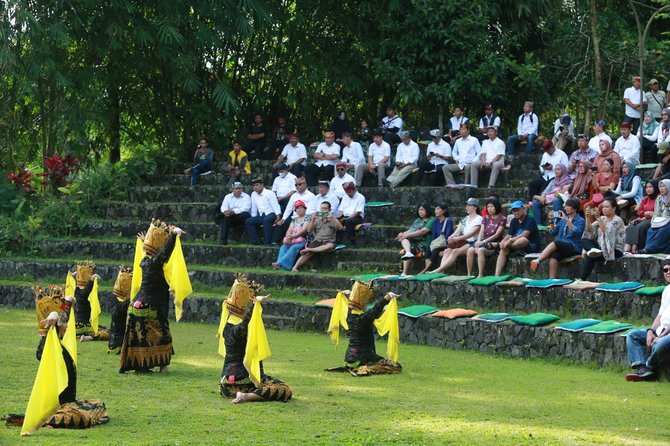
column 454, row 244
column 597, row 198
column 439, row 242
column 659, row 222
column 294, row 241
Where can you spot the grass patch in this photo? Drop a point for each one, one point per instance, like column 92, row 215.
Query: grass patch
column 441, row 397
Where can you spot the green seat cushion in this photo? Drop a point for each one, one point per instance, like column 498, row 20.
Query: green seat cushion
column 416, row 311
column 578, row 325
column 547, row 283
column 650, row 290
column 378, row 204
column 367, row 277
column 535, row 319
column 489, row 280
column 619, row 287
column 495, row 317
column 608, row 327
column 453, row 279
column 427, row 277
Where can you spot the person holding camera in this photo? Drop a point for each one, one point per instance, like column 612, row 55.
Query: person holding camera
column 324, row 227
column 564, row 132
column 552, row 157
column 603, row 240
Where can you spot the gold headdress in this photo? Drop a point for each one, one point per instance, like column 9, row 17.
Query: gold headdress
column 48, row 299
column 85, row 270
column 360, row 295
column 123, row 283
column 240, row 294
column 156, row 236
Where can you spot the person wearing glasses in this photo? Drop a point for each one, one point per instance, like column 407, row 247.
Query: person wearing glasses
column 655, row 339
column 341, row 177
column 583, row 153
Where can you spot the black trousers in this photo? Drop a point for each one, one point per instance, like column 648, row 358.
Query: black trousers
column 225, row 223
column 587, row 262
column 429, row 173
column 279, row 231
column 350, row 227
column 563, row 250
column 313, row 173
column 536, row 187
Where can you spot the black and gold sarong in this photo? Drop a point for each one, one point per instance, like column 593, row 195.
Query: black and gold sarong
column 271, row 389
column 147, row 342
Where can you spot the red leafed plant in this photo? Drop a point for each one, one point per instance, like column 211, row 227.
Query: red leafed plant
column 22, row 180
column 58, row 169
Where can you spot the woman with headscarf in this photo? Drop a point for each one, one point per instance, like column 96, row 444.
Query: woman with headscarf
column 636, row 231
column 608, row 153
column 550, row 195
column 662, row 132
column 604, row 183
column 582, row 184
column 647, row 130
column 658, row 237
column 629, row 191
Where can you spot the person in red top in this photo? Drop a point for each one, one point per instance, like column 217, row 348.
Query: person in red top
column 606, row 152
column 636, row 231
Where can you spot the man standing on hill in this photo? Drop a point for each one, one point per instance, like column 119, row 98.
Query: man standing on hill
column 631, row 97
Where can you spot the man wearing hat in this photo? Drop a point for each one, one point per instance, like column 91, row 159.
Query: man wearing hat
column 293, row 155
column 438, row 154
column 656, row 99
column 491, row 158
column 301, row 194
column 583, row 153
column 264, row 211
column 379, row 158
column 632, row 97
column 391, row 125
column 283, row 186
column 327, row 155
column 352, row 211
column 341, row 177
column 490, row 119
column 627, row 146
column 352, row 152
column 599, row 130
column 406, row 157
column 523, row 236
column 526, row 128
column 234, row 211
column 564, row 132
column 325, row 193
column 654, row 339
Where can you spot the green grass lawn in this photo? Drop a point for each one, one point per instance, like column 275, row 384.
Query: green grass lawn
column 442, row 397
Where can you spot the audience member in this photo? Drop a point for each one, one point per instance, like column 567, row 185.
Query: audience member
column 294, row 240
column 632, row 97
column 661, row 134
column 283, row 186
column 568, row 234
column 438, row 154
column 256, row 138
column 560, row 184
column 202, row 161
column 416, row 240
column 443, row 227
column 606, row 152
column 527, row 130
column 301, row 194
column 352, row 153
column 564, row 133
column 599, row 129
column 492, row 157
column 603, row 239
column 293, row 155
column 363, row 134
column 627, row 146
column 490, row 119
column 391, row 125
column 663, row 169
column 455, row 123
column 406, row 158
column 352, row 211
column 604, row 183
column 636, row 231
column 234, row 211
column 658, row 237
column 281, row 135
column 582, row 186
column 523, row 236
column 583, row 153
column 550, row 159
column 325, row 193
column 239, row 168
column 629, row 191
column 656, row 100
column 466, row 151
column 324, row 226
column 264, row 211
column 326, row 155
column 491, row 232
column 341, row 177
column 647, row 131
column 379, row 158
column 340, row 126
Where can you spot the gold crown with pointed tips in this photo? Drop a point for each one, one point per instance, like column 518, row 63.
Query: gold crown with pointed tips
column 85, row 269
column 360, row 295
column 156, row 236
column 48, row 299
column 123, row 283
column 240, row 294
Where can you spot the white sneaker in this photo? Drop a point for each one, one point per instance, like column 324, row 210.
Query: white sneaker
column 594, row 253
column 407, row 255
column 206, row 173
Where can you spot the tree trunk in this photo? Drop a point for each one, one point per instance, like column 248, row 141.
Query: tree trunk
column 114, row 126
column 596, row 45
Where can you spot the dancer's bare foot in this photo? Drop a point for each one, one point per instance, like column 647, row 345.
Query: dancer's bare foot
column 242, row 397
column 84, row 338
column 275, row 266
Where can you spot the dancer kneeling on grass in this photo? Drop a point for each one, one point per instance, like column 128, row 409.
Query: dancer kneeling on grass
column 87, row 310
column 361, row 358
column 119, row 312
column 243, row 344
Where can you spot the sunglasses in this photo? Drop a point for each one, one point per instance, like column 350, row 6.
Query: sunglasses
column 666, row 270
column 340, row 169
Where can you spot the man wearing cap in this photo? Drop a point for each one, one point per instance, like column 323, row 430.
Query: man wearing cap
column 564, row 132
column 599, row 129
column 550, row 159
column 627, row 146
column 656, row 99
column 526, row 128
column 632, row 97
column 325, row 193
column 466, row 150
column 239, row 167
column 264, row 211
column 341, row 177
column 406, row 157
column 293, row 155
column 352, row 152
column 234, row 211
column 379, row 158
column 491, row 158
column 455, row 123
column 438, row 154
column 523, row 236
column 391, row 125
column 301, row 194
column 583, row 153
column 327, row 155
column 283, row 186
column 654, row 339
column 352, row 211
column 490, row 119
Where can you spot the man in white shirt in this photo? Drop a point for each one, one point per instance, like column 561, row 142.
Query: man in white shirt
column 284, row 186
column 491, row 158
column 327, row 154
column 455, row 123
column 526, row 128
column 438, row 153
column 599, row 129
column 234, row 211
column 341, row 177
column 632, row 97
column 490, row 119
column 302, row 194
column 466, row 150
column 325, row 193
column 352, row 211
column 407, row 155
column 379, row 158
column 264, row 211
column 294, row 155
column 564, row 132
column 551, row 158
column 627, row 146
column 391, row 125
column 352, row 152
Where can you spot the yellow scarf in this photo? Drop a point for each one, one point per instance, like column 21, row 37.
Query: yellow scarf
column 338, row 317
column 388, row 323
column 257, row 348
column 70, row 337
column 95, row 306
column 70, row 285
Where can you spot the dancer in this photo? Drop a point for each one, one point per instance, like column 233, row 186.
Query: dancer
column 361, row 358
column 87, row 310
column 120, row 309
column 243, row 344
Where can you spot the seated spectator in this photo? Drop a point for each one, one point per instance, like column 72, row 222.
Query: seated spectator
column 352, row 153
column 455, row 123
column 662, row 132
column 583, row 153
column 234, row 211
column 391, row 126
column 647, row 131
column 280, row 138
column 340, row 126
column 603, row 239
column 636, row 231
column 466, row 150
column 283, row 186
column 491, row 233
column 202, row 162
column 324, row 226
column 492, row 157
column 582, row 186
column 301, row 194
column 363, row 135
column 239, row 168
column 325, row 193
column 658, row 237
column 551, row 158
column 406, row 158
column 443, row 227
column 416, row 240
column 629, row 191
column 264, row 211
column 294, row 240
column 560, row 184
column 627, row 146
column 523, row 236
column 438, row 154
column 341, row 177
column 490, row 119
column 379, row 159
column 352, row 211
column 599, row 129
column 527, row 130
column 568, row 234
column 663, row 169
column 604, row 183
column 256, row 138
column 656, row 339
column 564, row 133
column 327, row 155
column 462, row 238
column 293, row 155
